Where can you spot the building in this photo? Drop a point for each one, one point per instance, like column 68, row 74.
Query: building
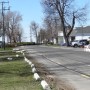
column 82, row 33
column 77, row 34
column 61, row 39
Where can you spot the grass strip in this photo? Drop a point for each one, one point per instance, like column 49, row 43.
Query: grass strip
column 17, row 75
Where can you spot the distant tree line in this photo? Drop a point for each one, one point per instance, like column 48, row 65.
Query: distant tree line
column 12, row 26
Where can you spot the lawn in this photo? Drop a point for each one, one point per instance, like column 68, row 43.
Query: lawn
column 17, row 75
column 6, row 48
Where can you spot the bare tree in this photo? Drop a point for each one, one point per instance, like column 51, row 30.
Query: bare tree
column 19, row 33
column 34, row 27
column 48, row 28
column 67, row 13
column 12, row 20
column 52, row 26
column 42, row 36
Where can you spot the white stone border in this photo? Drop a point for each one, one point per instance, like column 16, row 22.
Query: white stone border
column 45, row 85
column 36, row 76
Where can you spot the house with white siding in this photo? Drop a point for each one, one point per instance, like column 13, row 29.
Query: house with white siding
column 61, row 39
column 82, row 33
column 77, row 34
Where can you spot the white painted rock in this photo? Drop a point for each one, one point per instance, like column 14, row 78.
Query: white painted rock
column 44, row 85
column 17, row 55
column 32, row 65
column 9, row 58
column 18, row 51
column 34, row 70
column 22, row 50
column 36, row 76
column 26, row 59
column 23, row 54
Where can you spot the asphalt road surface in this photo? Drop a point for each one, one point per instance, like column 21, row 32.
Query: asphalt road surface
column 70, row 64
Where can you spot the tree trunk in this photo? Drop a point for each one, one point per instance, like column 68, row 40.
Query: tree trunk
column 10, row 40
column 64, row 31
column 67, row 41
column 56, row 40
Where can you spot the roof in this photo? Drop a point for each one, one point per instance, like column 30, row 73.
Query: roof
column 83, row 29
column 79, row 31
column 73, row 33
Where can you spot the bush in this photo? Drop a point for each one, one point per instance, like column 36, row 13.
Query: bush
column 10, row 45
column 25, row 43
column 20, row 44
column 50, row 43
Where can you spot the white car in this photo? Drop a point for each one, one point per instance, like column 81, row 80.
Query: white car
column 78, row 43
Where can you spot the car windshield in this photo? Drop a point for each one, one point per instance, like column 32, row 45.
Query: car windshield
column 76, row 40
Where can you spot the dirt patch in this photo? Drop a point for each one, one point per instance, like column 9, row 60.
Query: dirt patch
column 51, row 78
column 57, row 84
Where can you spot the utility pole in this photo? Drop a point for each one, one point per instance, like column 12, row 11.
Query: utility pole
column 3, row 9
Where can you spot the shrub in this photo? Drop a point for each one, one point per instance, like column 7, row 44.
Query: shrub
column 25, row 43
column 51, row 43
column 10, row 45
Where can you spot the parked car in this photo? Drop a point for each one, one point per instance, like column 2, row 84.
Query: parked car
column 79, row 43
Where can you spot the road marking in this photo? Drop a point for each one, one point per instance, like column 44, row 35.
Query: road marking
column 85, row 76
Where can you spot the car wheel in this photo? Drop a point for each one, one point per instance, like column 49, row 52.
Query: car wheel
column 75, row 45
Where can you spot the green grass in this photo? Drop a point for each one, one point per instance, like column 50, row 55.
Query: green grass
column 17, row 75
column 6, row 48
column 3, row 53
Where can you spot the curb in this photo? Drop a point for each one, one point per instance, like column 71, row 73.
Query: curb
column 36, row 76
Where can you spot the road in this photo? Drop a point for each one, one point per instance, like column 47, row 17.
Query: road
column 71, row 64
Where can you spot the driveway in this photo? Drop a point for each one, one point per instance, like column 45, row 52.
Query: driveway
column 69, row 64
